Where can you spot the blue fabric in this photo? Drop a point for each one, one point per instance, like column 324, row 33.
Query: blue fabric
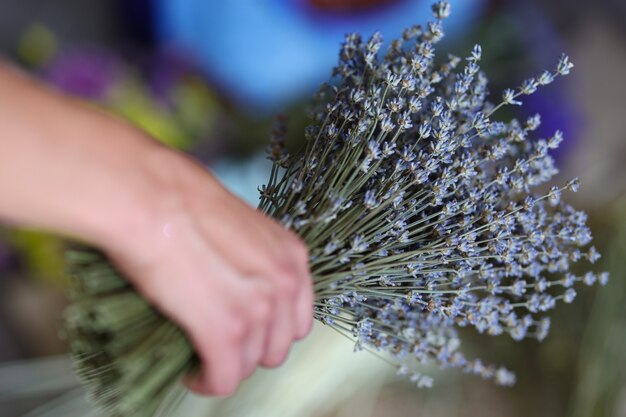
column 265, row 53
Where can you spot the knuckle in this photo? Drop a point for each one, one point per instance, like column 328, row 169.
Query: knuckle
column 278, row 352
column 235, row 328
column 226, row 386
column 262, row 309
column 224, row 376
column 304, row 324
column 287, row 285
column 221, row 382
column 277, row 358
column 305, row 329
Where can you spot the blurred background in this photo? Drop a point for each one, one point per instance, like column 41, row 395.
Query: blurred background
column 207, row 77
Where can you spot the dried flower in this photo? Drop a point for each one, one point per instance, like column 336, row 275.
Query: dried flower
column 465, row 244
column 418, row 214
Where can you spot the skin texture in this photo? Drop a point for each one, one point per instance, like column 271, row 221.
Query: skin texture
column 235, row 280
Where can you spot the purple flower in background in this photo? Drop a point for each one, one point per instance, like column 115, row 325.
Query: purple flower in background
column 558, row 110
column 87, row 73
column 166, row 70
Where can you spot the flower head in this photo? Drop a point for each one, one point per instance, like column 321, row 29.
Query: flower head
column 417, row 204
column 444, row 229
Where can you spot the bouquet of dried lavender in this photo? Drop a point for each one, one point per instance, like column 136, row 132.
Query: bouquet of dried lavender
column 416, row 205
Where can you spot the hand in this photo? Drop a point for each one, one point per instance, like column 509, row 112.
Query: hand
column 235, row 280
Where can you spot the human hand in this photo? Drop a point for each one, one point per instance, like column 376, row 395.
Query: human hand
column 236, row 281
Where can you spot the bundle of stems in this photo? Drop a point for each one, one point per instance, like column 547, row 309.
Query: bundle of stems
column 416, row 204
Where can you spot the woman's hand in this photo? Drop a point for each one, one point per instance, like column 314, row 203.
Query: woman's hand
column 235, row 280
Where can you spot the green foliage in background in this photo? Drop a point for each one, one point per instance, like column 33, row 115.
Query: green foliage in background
column 601, row 381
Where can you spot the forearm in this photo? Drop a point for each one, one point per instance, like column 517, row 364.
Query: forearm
column 69, row 168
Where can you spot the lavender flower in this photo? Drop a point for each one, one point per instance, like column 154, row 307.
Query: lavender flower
column 417, row 205
column 465, row 241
